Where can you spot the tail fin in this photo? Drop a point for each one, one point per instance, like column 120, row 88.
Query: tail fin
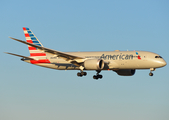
column 31, row 38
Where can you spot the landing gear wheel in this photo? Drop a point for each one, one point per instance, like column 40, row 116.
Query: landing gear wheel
column 84, row 73
column 80, row 74
column 100, row 76
column 95, row 77
column 151, row 74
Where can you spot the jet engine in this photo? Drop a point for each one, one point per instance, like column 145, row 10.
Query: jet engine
column 127, row 72
column 94, row 64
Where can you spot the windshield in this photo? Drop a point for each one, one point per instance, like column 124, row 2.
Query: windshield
column 158, row 57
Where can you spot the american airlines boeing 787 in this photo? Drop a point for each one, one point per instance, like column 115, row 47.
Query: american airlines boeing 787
column 124, row 63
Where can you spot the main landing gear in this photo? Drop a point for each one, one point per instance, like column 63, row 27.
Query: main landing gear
column 97, row 76
column 80, row 74
column 151, row 69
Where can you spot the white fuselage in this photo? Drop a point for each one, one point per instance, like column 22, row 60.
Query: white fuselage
column 115, row 59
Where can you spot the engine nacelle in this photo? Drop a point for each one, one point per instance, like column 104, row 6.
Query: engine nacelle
column 94, row 64
column 127, row 72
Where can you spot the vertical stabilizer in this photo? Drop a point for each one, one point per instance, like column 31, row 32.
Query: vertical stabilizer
column 34, row 52
column 31, row 38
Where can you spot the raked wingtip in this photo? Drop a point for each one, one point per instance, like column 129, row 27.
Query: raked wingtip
column 6, row 52
column 11, row 38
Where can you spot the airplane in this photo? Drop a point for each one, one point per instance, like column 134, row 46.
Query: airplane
column 124, row 63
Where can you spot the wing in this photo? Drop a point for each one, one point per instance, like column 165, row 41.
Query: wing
column 68, row 57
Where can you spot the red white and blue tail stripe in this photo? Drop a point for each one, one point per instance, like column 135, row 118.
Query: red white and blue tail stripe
column 34, row 52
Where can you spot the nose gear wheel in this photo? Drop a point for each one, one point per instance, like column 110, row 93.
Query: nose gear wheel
column 150, row 74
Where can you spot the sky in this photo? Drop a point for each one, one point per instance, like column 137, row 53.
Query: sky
column 29, row 92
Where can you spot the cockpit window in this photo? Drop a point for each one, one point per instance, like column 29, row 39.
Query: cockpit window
column 158, row 57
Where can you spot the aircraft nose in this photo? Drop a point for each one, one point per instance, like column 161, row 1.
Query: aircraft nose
column 164, row 63
column 161, row 63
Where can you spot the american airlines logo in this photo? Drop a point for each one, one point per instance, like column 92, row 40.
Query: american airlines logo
column 117, row 57
column 120, row 57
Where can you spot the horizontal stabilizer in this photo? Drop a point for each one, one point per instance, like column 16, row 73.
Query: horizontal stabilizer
column 20, row 56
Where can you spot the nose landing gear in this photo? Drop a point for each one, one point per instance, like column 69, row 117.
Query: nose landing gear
column 151, row 69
